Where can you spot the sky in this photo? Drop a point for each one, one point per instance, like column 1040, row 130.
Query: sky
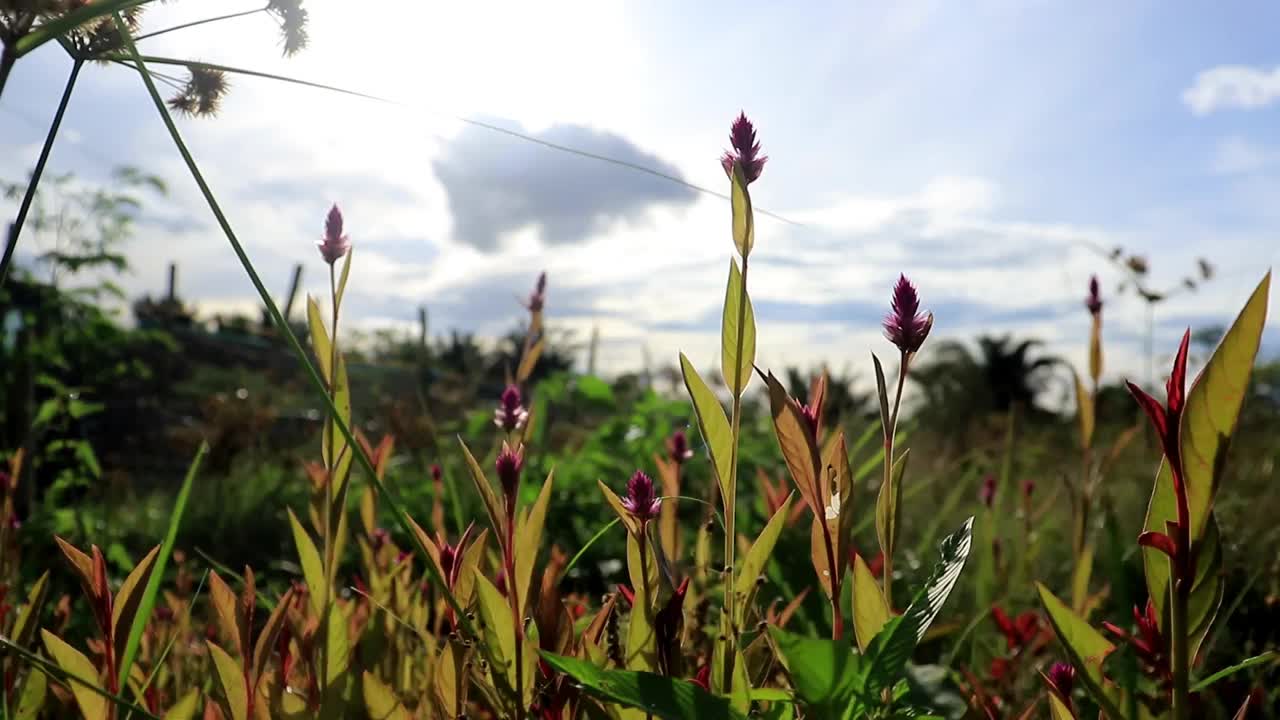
column 985, row 149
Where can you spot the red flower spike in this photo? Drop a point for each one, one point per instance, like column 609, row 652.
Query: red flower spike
column 1094, row 300
column 1062, row 680
column 1166, row 419
column 641, row 501
column 905, row 326
column 703, row 678
column 509, row 464
column 746, row 150
column 511, row 414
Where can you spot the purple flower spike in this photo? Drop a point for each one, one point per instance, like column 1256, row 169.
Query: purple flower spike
column 335, row 244
column 746, row 150
column 905, row 325
column 678, row 447
column 1094, row 301
column 987, row 494
column 511, row 414
column 1062, row 678
column 640, row 500
column 509, row 464
column 538, row 298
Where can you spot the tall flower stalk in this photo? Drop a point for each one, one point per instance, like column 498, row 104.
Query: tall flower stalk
column 906, row 327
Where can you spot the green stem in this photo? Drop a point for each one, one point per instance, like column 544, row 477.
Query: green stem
column 731, row 496
column 890, row 434
column 366, row 465
column 330, row 542
column 1180, row 662
column 196, row 23
column 30, row 195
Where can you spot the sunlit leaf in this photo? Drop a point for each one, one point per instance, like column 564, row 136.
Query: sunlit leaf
column 870, row 611
column 737, row 344
column 712, row 423
column 754, row 561
column 129, row 599
column 267, row 636
column 186, row 706
column 1085, row 646
column 889, row 506
column 744, row 227
column 530, row 540
column 225, row 608
column 499, row 631
column 1085, row 413
column 231, row 679
column 641, row 651
column 24, row 628
column 661, row 697
column 491, row 506
column 380, row 701
column 319, row 339
column 1058, row 710
column 796, row 441
column 312, row 567
column 31, row 697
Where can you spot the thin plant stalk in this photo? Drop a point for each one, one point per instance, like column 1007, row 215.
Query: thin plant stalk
column 890, row 433
column 731, row 496
column 16, row 228
column 402, row 518
column 197, row 23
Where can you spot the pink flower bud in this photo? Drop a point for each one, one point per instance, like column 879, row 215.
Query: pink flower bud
column 746, row 150
column 335, row 244
column 509, row 464
column 1094, row 300
column 511, row 414
column 905, row 326
column 641, row 500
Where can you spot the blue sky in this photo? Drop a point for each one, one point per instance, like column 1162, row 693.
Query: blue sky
column 978, row 147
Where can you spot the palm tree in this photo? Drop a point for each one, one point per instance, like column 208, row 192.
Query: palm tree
column 1002, row 375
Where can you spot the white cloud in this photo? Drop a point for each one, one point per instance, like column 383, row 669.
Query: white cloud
column 1232, row 87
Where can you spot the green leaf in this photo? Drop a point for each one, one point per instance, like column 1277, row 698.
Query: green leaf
column 1085, row 646
column 127, row 602
column 595, row 390
column 342, row 279
column 92, row 705
column 380, row 701
column 870, row 610
column 35, row 687
column 231, row 679
column 162, row 560
column 24, row 628
column 712, row 423
column 1058, row 710
column 889, row 506
column 890, row 650
column 529, row 535
column 319, row 338
column 491, row 507
column 341, row 454
column 744, row 224
column 312, row 567
column 734, row 365
column 826, row 674
column 337, row 649
column 1213, row 405
column 1266, row 657
column 661, row 697
column 641, row 641
column 499, row 630
column 754, row 561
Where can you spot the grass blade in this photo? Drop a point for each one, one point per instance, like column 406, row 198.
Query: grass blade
column 54, row 671
column 157, row 575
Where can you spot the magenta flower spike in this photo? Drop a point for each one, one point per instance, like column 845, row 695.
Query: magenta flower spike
column 1094, row 300
column 1062, row 678
column 335, row 244
column 746, row 150
column 508, row 465
column 511, row 414
column 538, row 298
column 905, row 326
column 678, row 447
column 641, row 500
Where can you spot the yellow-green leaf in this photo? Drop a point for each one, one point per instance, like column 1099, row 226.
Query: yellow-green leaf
column 186, row 707
column 447, row 681
column 491, row 506
column 1213, row 405
column 225, row 608
column 332, row 437
column 736, row 365
column 1085, row 412
column 312, row 567
column 628, row 520
column 319, row 338
column 470, row 569
column 870, row 611
column 380, row 701
column 267, row 638
column 1095, row 349
column 1080, row 579
column 1058, row 710
column 529, row 360
column 530, row 540
column 338, row 650
column 712, row 423
column 889, row 506
column 641, row 651
column 499, row 630
column 24, row 628
column 128, row 599
column 342, row 278
column 754, row 561
column 35, row 687
column 231, row 679
column 1085, row 646
column 744, row 230
column 92, row 705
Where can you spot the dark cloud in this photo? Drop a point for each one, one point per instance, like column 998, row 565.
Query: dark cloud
column 498, row 184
